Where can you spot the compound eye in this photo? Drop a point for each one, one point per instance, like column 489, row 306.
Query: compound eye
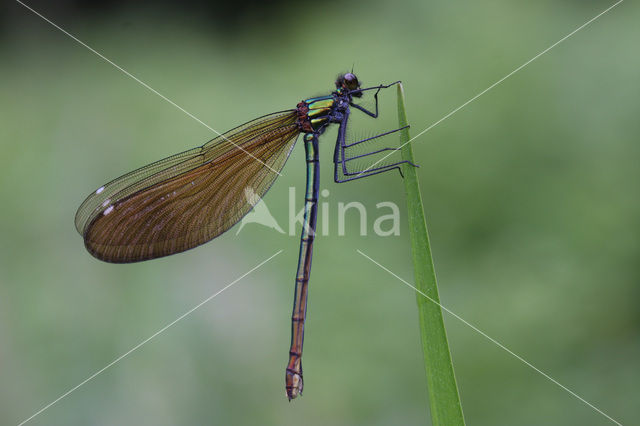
column 351, row 81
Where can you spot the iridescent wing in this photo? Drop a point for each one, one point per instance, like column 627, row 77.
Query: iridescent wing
column 187, row 199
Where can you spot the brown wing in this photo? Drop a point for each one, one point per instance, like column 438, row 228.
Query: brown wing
column 173, row 209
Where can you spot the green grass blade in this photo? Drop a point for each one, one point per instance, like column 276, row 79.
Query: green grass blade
column 443, row 391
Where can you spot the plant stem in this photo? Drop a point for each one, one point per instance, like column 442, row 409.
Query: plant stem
column 443, row 391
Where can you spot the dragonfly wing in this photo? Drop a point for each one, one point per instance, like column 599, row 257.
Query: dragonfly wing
column 188, row 199
column 131, row 182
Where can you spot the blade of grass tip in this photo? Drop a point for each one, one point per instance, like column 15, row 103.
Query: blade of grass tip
column 443, row 390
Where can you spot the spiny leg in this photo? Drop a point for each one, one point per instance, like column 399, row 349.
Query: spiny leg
column 349, row 145
column 375, row 96
column 340, row 158
column 370, row 172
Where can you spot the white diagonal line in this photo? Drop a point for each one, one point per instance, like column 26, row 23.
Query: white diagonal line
column 148, row 87
column 494, row 84
column 494, row 341
column 147, row 339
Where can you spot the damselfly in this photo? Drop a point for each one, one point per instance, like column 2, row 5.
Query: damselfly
column 187, row 199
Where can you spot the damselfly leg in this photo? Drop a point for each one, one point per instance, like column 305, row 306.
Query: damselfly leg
column 342, row 171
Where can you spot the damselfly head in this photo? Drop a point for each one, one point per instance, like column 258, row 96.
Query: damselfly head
column 349, row 82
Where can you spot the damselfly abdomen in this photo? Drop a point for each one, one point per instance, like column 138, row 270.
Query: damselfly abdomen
column 187, row 199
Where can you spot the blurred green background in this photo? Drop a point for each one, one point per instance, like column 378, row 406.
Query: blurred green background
column 531, row 194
